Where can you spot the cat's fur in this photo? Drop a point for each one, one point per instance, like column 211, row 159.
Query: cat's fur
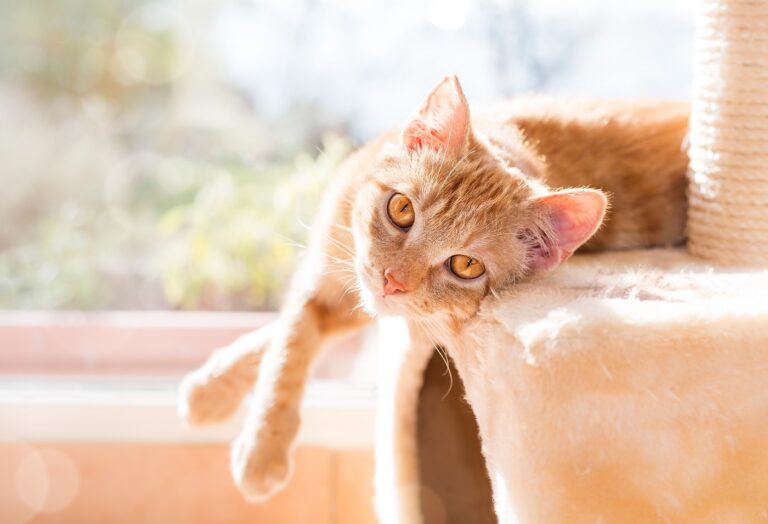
column 490, row 187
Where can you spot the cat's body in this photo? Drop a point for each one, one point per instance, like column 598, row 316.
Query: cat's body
column 631, row 149
column 480, row 193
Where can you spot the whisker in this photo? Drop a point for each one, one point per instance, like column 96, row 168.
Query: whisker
column 345, row 248
column 352, row 287
column 430, row 328
column 290, row 241
column 340, row 263
column 342, row 227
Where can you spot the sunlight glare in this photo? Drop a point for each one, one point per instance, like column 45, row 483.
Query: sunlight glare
column 448, row 15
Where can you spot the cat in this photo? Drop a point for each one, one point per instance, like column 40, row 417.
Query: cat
column 426, row 221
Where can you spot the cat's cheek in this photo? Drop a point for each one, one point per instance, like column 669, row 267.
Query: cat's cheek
column 370, row 302
column 374, row 304
column 364, row 282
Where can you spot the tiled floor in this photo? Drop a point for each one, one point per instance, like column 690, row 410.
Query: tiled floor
column 161, row 484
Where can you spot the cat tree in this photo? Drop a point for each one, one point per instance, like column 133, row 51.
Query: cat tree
column 624, row 387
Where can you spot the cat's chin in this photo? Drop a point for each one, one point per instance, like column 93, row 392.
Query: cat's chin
column 377, row 305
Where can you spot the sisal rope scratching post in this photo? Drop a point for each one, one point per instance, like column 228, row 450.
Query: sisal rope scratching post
column 728, row 190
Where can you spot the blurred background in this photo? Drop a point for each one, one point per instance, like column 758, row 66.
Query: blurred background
column 160, row 164
column 169, row 154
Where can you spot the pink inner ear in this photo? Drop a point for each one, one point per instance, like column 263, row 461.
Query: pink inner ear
column 442, row 123
column 574, row 216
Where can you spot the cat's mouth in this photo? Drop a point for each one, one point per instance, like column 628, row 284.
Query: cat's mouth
column 386, row 306
column 376, row 301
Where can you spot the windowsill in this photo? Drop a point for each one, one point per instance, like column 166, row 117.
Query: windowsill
column 335, row 414
column 112, row 377
column 117, row 343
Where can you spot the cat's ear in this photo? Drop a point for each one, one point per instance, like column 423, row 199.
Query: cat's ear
column 442, row 123
column 566, row 219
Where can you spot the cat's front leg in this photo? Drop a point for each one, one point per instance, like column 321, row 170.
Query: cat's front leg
column 213, row 392
column 260, row 457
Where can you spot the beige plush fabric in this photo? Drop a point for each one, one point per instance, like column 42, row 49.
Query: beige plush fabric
column 626, row 387
column 403, row 358
column 429, row 468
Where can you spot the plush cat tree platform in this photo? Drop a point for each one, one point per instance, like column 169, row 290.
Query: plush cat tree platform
column 623, row 387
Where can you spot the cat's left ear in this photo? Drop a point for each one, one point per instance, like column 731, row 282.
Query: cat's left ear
column 566, row 220
column 442, row 123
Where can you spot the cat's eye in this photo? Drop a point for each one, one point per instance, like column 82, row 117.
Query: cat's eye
column 465, row 267
column 400, row 211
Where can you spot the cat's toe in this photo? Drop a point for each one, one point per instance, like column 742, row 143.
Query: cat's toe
column 259, row 469
column 204, row 400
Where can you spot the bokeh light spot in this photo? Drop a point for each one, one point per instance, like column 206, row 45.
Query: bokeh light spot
column 13, row 508
column 154, row 46
column 32, row 481
column 46, row 480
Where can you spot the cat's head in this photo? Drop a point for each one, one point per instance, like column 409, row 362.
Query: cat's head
column 442, row 222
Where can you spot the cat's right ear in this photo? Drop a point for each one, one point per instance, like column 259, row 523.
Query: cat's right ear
column 568, row 218
column 442, row 123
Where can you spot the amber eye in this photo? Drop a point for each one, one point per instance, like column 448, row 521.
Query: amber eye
column 400, row 211
column 466, row 267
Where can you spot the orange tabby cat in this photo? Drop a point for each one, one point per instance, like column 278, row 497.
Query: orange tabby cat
column 428, row 221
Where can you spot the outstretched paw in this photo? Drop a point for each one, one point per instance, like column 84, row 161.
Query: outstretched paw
column 260, row 467
column 206, row 399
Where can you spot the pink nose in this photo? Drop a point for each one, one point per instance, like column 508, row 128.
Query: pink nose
column 391, row 284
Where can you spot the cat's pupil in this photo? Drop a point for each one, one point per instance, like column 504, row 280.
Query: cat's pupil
column 404, row 208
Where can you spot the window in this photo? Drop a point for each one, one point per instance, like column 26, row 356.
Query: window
column 161, row 156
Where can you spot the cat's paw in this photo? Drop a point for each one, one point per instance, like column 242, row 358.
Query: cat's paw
column 206, row 399
column 260, row 468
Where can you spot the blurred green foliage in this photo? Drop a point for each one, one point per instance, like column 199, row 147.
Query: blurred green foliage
column 234, row 245
column 133, row 177
column 74, row 46
column 219, row 239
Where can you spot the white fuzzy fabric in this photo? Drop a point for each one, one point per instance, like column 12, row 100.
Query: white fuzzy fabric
column 625, row 387
column 403, row 358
